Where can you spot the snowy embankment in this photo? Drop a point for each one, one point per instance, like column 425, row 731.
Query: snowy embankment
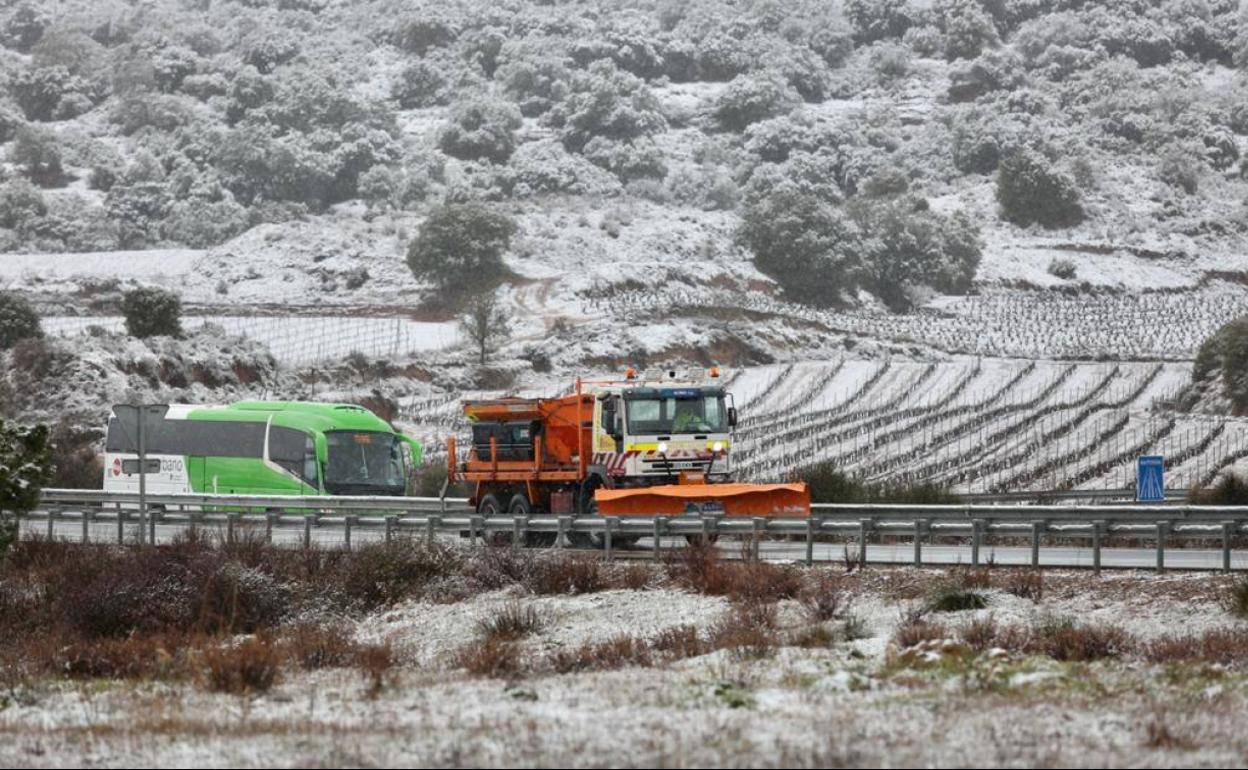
column 848, row 703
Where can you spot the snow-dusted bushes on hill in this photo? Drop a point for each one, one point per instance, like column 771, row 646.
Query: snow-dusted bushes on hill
column 50, row 379
column 1223, row 358
column 822, row 253
column 18, row 320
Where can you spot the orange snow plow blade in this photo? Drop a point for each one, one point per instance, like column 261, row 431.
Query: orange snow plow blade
column 675, row 499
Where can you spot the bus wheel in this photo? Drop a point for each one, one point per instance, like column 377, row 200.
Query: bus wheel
column 490, row 507
column 520, row 506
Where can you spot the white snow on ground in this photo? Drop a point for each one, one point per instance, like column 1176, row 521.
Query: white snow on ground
column 298, row 340
column 852, row 704
column 428, row 634
column 153, row 265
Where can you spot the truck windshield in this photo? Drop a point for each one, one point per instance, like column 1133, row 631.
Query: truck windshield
column 669, row 415
column 364, row 462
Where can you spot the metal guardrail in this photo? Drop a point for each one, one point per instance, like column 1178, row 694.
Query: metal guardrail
column 1172, row 495
column 860, row 522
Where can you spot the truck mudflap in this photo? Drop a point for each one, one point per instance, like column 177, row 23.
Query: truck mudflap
column 771, row 500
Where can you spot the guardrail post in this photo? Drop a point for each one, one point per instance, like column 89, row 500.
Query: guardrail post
column 562, row 533
column 86, row 525
column 431, row 527
column 348, row 524
column 270, row 519
column 1227, row 528
column 121, row 526
column 231, row 520
column 519, row 525
column 194, row 523
column 153, row 516
column 53, row 512
column 760, row 525
column 475, row 523
column 920, row 528
column 863, row 526
column 390, row 522
column 660, row 523
column 609, row 526
column 1038, row 528
column 307, row 531
column 810, row 541
column 1163, row 529
column 1097, row 528
column 977, row 537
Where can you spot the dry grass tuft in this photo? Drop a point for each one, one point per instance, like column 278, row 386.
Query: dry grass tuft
column 699, row 567
column 915, row 628
column 489, row 657
column 376, row 661
column 513, row 621
column 249, row 667
column 617, row 652
column 748, row 631
column 566, row 574
column 1025, row 583
column 1066, row 640
column 679, row 642
column 826, row 600
column 1225, row 646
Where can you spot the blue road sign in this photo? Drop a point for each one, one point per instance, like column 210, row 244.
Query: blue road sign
column 1150, row 479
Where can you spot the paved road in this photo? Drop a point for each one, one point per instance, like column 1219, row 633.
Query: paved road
column 899, row 553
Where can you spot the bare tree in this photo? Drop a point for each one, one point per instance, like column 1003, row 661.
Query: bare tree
column 486, row 324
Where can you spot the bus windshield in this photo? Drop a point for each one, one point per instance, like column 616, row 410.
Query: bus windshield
column 666, row 415
column 362, row 462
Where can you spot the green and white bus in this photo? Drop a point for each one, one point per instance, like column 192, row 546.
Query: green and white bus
column 264, row 448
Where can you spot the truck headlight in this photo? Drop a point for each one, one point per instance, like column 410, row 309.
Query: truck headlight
column 717, row 447
column 662, row 448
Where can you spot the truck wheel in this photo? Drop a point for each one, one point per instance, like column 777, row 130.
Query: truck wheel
column 520, row 506
column 487, row 508
column 586, row 505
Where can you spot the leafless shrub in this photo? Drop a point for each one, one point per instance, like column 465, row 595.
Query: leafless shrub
column 617, row 652
column 1064, row 639
column 980, row 634
column 319, row 645
column 700, row 568
column 1159, row 735
column 376, row 661
column 1025, row 583
column 1226, row 646
column 246, row 668
column 632, row 577
column 826, row 600
column 569, row 574
column 747, row 631
column 915, row 628
column 680, row 641
column 489, row 657
column 971, row 577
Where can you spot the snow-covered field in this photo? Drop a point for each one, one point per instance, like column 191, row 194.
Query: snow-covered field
column 302, row 340
column 851, row 703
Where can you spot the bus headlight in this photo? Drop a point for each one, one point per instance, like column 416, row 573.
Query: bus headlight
column 717, row 447
column 662, row 448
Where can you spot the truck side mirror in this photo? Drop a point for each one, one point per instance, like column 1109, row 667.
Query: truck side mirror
column 732, row 417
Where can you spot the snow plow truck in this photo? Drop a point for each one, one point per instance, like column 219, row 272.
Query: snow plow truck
column 659, row 446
